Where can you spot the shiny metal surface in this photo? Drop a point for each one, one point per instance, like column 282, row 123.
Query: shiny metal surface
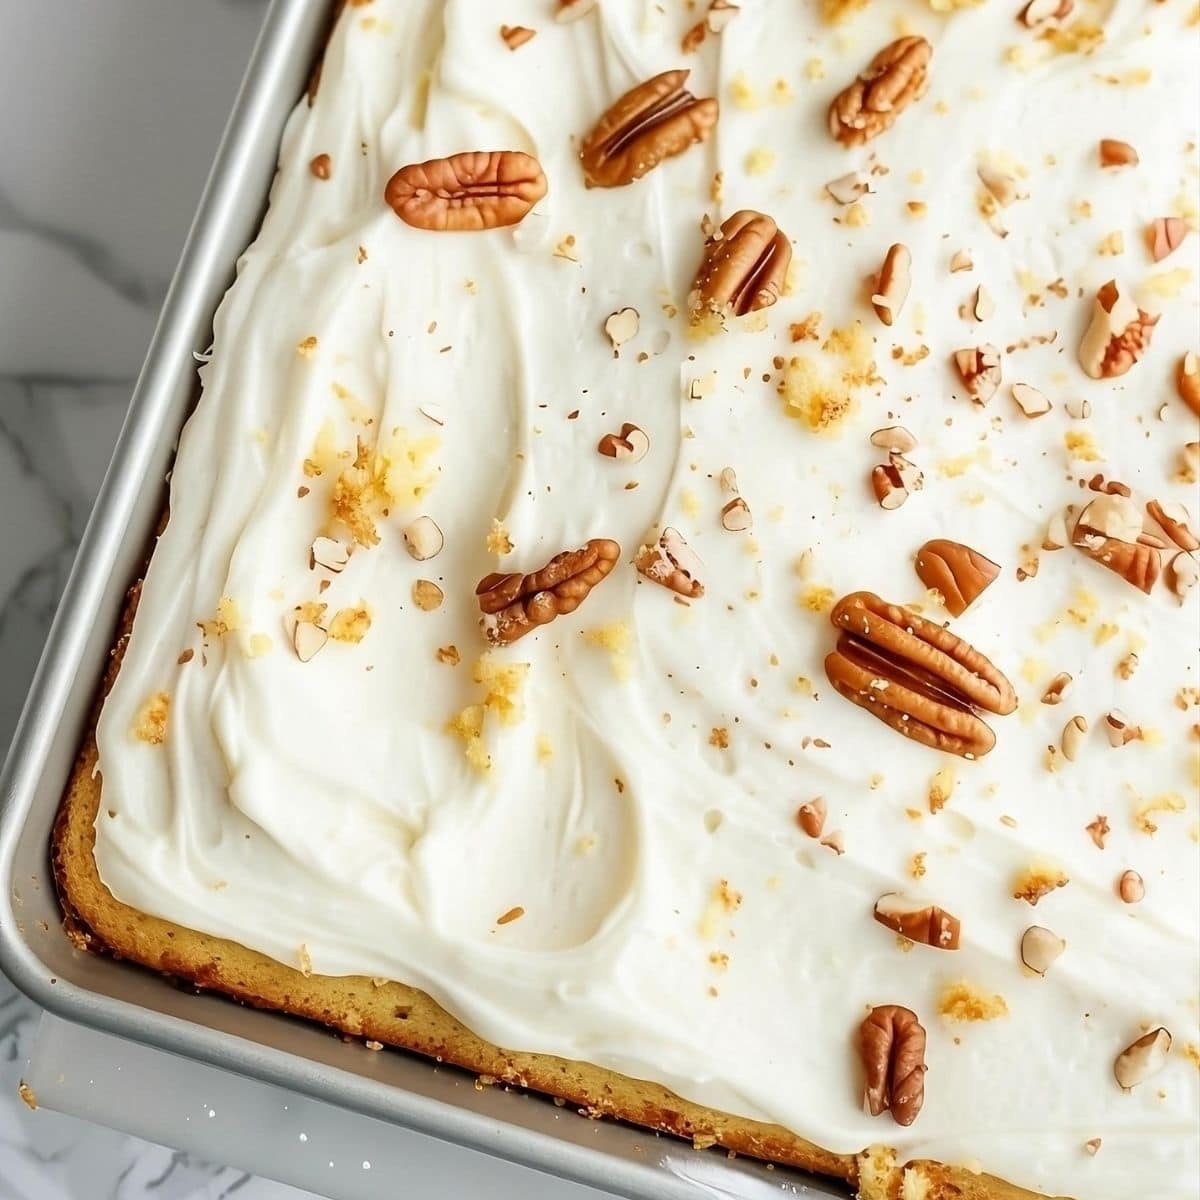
column 138, row 1005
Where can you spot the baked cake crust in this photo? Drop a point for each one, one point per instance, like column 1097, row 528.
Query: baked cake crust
column 407, row 1018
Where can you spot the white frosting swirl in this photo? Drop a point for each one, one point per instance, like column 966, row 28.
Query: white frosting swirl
column 323, row 804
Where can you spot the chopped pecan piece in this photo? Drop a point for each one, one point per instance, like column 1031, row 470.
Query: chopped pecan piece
column 811, row 816
column 671, row 562
column 478, row 189
column 916, row 676
column 1117, row 336
column 513, row 604
column 896, row 76
column 1175, row 522
column 743, row 268
column 1143, row 1058
column 1042, row 12
column 979, row 369
column 1165, row 235
column 895, row 279
column 1187, row 381
column 959, row 573
column 1110, row 531
column 1115, row 153
column 654, row 121
column 891, row 1042
column 919, row 922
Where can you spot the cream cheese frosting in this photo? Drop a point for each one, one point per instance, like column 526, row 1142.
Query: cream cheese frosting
column 633, row 790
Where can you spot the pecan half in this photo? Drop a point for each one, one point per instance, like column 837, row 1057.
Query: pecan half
column 891, row 1042
column 515, row 604
column 743, row 268
column 671, row 562
column 959, row 573
column 479, row 189
column 896, row 76
column 654, row 121
column 1110, row 531
column 916, row 676
column 924, row 923
column 1117, row 336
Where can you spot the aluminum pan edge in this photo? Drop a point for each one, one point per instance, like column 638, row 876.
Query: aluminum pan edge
column 44, row 743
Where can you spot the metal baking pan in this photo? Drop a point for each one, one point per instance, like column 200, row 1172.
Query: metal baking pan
column 137, row 1004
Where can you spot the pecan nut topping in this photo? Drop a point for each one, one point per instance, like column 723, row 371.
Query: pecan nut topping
column 897, row 75
column 916, row 676
column 479, row 189
column 670, row 561
column 1117, row 336
column 654, row 121
column 743, row 269
column 1110, row 531
column 959, row 573
column 515, row 604
column 891, row 1042
column 924, row 923
column 1187, row 381
column 979, row 369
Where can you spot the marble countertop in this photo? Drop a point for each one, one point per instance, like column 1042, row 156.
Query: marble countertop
column 121, row 104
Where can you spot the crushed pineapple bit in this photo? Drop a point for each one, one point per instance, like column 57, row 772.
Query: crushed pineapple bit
column 836, row 11
column 816, row 397
column 400, row 472
column 227, row 620
column 498, row 541
column 1167, row 802
column 150, row 724
column 258, row 644
column 617, row 638
column 723, row 902
column 324, row 452
column 350, row 624
column 941, row 788
column 817, row 598
column 964, row 1001
column 742, row 93
column 759, row 161
column 1082, row 446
